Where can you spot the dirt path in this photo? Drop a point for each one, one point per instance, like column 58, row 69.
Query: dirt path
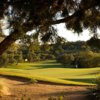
column 42, row 91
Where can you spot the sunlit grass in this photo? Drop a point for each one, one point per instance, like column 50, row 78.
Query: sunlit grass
column 50, row 71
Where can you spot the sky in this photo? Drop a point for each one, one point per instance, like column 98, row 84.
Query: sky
column 70, row 36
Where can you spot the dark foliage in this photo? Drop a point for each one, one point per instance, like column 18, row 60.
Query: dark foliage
column 94, row 93
column 94, row 42
column 40, row 15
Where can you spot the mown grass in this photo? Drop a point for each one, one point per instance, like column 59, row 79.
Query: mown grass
column 50, row 71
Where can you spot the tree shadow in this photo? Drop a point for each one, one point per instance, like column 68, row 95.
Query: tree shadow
column 65, row 93
column 43, row 66
column 92, row 73
column 85, row 80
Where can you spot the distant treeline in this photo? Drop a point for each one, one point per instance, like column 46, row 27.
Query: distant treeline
column 33, row 51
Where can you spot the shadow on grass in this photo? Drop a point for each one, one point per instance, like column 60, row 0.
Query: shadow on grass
column 85, row 80
column 43, row 66
column 37, row 66
column 92, row 73
column 49, row 64
column 65, row 93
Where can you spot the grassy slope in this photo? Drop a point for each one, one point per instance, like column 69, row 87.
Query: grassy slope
column 52, row 72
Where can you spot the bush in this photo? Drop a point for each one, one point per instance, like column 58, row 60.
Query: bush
column 7, row 59
column 11, row 58
column 18, row 57
column 96, row 61
column 65, row 59
column 87, row 60
column 47, row 56
column 36, row 57
column 4, row 59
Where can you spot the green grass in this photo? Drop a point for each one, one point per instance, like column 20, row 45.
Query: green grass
column 50, row 71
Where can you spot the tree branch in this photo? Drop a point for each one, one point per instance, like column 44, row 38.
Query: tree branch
column 81, row 10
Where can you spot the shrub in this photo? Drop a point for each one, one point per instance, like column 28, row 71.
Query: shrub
column 96, row 61
column 87, row 60
column 18, row 57
column 36, row 57
column 4, row 59
column 65, row 59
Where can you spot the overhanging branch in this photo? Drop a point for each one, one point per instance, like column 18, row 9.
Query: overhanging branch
column 81, row 10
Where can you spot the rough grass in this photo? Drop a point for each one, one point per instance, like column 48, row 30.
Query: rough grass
column 50, row 71
column 4, row 90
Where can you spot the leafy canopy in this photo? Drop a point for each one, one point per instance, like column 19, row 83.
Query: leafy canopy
column 41, row 15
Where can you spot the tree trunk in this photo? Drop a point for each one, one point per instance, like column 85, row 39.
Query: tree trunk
column 8, row 41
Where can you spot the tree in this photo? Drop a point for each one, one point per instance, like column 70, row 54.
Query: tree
column 40, row 15
column 58, row 47
column 65, row 59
